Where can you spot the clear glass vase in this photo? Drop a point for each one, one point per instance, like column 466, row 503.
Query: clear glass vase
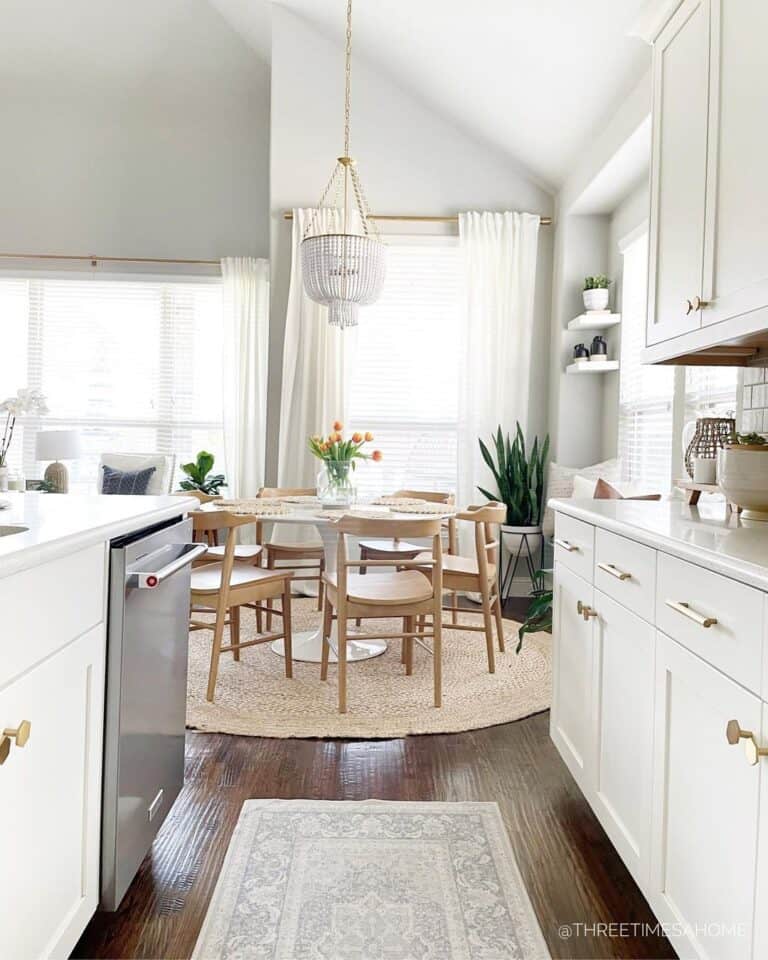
column 336, row 484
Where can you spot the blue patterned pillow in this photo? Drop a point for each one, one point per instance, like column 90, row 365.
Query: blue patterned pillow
column 126, row 481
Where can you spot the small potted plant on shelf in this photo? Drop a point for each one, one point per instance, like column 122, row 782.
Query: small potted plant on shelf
column 595, row 292
column 199, row 476
column 335, row 482
column 742, row 474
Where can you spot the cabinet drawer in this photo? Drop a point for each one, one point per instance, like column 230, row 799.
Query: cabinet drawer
column 575, row 545
column 715, row 617
column 626, row 571
column 46, row 607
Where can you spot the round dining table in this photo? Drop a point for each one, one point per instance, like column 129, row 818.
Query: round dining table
column 308, row 644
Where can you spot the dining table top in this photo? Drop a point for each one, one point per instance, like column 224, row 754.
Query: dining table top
column 301, row 510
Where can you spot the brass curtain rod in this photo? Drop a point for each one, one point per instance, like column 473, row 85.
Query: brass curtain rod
column 94, row 260
column 414, row 218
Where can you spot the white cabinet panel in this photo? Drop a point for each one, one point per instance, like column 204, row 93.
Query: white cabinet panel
column 575, row 545
column 50, row 797
column 570, row 721
column 626, row 571
column 761, row 898
column 623, row 681
column 736, row 251
column 705, row 807
column 678, row 179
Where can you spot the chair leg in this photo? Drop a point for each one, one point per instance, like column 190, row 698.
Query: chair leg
column 364, row 556
column 408, row 624
column 321, row 585
column 499, row 619
column 270, row 566
column 454, row 604
column 437, row 659
column 234, row 631
column 327, row 621
column 341, row 623
column 287, row 634
column 488, row 621
column 218, row 633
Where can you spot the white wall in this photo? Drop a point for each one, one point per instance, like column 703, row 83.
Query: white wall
column 126, row 151
column 410, row 159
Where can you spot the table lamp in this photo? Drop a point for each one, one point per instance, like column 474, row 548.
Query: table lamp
column 57, row 445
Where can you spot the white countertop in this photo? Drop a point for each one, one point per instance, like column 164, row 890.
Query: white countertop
column 703, row 534
column 60, row 523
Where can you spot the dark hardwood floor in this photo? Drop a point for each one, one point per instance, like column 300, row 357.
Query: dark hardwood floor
column 571, row 871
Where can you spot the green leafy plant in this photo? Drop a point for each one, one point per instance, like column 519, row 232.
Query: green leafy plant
column 519, row 479
column 200, row 477
column 599, row 282
column 747, row 439
column 539, row 616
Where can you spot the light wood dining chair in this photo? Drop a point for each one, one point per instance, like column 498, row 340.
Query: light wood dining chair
column 477, row 574
column 302, row 558
column 226, row 586
column 404, row 593
column 244, row 552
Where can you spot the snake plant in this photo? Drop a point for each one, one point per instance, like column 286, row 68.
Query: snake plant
column 519, row 479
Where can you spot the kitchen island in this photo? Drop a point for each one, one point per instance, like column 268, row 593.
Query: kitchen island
column 660, row 706
column 54, row 575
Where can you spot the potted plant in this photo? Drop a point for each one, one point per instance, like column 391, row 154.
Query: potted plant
column 200, row 477
column 27, row 402
column 595, row 292
column 742, row 474
column 335, row 482
column 520, row 484
column 539, row 616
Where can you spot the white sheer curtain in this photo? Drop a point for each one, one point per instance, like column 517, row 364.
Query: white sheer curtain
column 246, row 341
column 499, row 258
column 315, row 360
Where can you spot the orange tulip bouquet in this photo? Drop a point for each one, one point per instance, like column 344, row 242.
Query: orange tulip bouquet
column 335, row 484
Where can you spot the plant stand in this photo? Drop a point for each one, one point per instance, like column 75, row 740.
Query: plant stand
column 529, row 552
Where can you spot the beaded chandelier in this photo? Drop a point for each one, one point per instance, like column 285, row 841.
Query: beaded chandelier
column 344, row 270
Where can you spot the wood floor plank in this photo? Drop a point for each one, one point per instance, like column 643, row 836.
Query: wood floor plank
column 570, row 869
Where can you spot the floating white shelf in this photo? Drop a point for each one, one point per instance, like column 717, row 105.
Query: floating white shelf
column 597, row 320
column 592, row 366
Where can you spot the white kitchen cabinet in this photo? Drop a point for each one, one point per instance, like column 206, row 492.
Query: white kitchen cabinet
column 678, row 171
column 570, row 721
column 761, row 893
column 704, row 832
column 709, row 193
column 50, row 795
column 622, row 726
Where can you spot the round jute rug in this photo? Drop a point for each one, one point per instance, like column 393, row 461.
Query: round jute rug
column 254, row 698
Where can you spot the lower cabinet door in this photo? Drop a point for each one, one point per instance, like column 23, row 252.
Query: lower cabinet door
column 761, row 898
column 622, row 724
column 570, row 720
column 704, row 832
column 50, row 792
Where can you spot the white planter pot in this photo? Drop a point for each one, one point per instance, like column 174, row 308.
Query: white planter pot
column 742, row 474
column 596, row 299
column 511, row 540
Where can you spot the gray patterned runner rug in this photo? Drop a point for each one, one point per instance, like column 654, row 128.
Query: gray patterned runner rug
column 371, row 880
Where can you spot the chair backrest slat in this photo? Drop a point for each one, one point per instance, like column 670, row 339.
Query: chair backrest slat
column 431, row 496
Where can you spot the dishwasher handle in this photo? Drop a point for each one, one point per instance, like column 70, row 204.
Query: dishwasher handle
column 148, row 579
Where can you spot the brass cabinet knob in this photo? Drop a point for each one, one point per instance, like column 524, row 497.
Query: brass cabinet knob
column 585, row 610
column 20, row 734
column 688, row 307
column 693, row 306
column 734, row 734
column 5, row 749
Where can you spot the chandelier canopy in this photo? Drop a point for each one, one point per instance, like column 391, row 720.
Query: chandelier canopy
column 344, row 270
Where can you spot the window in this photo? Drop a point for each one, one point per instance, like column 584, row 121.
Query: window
column 646, row 393
column 134, row 366
column 405, row 384
column 710, row 392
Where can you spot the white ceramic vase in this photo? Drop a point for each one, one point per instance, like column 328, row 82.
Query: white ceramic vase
column 742, row 474
column 596, row 299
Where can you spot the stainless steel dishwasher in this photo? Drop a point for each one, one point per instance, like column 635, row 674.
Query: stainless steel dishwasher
column 146, row 691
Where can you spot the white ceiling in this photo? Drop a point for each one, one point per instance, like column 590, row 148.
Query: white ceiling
column 530, row 77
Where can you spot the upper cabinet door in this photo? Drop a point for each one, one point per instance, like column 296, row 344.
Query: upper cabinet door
column 736, row 246
column 678, row 172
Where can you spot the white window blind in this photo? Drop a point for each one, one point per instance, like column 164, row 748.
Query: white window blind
column 405, row 384
column 710, row 392
column 134, row 366
column 646, row 392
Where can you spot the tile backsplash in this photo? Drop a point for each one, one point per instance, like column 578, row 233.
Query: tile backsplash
column 754, row 415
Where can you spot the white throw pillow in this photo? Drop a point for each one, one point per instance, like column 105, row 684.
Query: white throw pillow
column 560, row 482
column 583, row 488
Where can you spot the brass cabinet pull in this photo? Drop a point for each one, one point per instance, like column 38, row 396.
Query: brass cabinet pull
column 20, row 734
column 585, row 610
column 566, row 545
column 734, row 733
column 693, row 306
column 681, row 607
column 614, row 571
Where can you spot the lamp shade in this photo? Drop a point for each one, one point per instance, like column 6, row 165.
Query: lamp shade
column 57, row 445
